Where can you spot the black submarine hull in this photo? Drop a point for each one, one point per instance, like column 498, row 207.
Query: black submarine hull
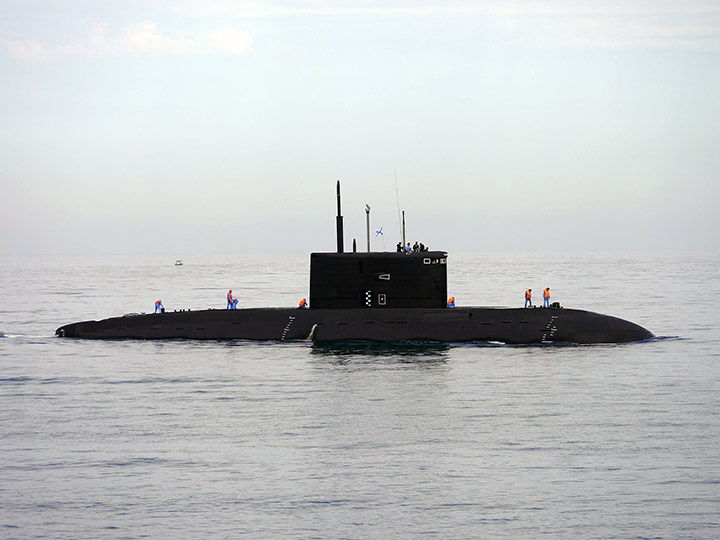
column 462, row 324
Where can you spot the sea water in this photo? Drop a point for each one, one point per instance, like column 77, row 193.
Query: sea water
column 228, row 439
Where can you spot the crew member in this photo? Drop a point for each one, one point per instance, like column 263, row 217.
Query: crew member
column 303, row 304
column 232, row 302
column 451, row 302
column 528, row 298
column 546, row 297
column 159, row 307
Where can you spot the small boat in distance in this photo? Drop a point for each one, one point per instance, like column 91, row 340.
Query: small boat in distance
column 373, row 296
column 178, row 263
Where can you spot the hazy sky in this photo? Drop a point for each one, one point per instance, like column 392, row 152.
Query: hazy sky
column 187, row 126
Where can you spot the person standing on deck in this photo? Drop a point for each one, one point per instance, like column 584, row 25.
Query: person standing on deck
column 546, row 297
column 231, row 302
column 528, row 298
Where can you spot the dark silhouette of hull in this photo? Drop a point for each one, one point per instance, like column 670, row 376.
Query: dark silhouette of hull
column 372, row 296
column 462, row 324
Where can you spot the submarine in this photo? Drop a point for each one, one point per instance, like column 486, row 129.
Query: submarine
column 372, row 297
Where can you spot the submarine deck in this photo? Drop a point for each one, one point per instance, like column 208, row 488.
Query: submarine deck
column 461, row 324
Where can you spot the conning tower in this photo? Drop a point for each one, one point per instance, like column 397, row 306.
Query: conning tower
column 377, row 279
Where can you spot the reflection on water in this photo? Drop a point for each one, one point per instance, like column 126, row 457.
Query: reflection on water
column 404, row 352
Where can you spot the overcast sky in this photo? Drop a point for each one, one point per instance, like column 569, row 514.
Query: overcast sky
column 185, row 127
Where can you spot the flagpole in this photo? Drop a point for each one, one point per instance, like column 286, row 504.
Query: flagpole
column 367, row 225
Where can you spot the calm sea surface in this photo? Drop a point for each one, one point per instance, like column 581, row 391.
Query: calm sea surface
column 187, row 439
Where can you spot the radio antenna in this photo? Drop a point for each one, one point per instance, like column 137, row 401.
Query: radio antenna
column 397, row 197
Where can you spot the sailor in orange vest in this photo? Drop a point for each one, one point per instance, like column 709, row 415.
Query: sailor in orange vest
column 546, row 297
column 451, row 302
column 232, row 302
column 159, row 307
column 528, row 298
column 303, row 304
